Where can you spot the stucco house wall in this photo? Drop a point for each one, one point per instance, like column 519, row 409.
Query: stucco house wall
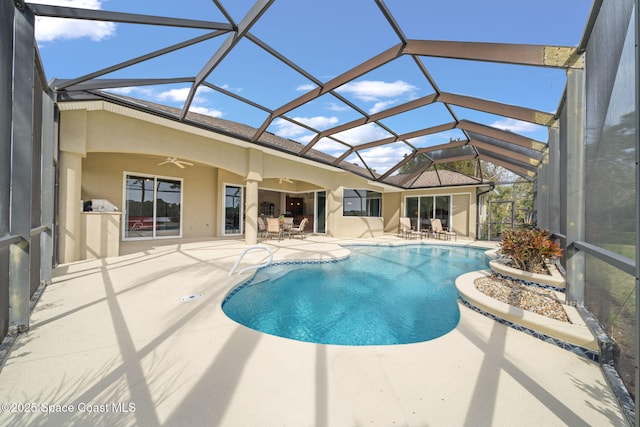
column 103, row 178
column 101, row 141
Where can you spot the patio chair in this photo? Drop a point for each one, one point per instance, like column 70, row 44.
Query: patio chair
column 406, row 230
column 262, row 227
column 287, row 224
column 273, row 227
column 299, row 230
column 441, row 233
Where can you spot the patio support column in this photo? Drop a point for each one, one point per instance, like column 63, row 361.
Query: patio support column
column 70, row 206
column 47, row 180
column 637, row 76
column 254, row 177
column 575, row 184
column 21, row 165
column 73, row 147
column 553, row 208
column 251, row 217
column 6, row 86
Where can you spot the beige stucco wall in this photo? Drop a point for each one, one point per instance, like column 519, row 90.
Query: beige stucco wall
column 460, row 206
column 108, row 131
column 103, row 178
column 70, row 233
column 111, row 140
column 391, row 204
column 101, row 235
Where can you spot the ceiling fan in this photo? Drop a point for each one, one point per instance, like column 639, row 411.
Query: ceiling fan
column 175, row 161
column 285, row 180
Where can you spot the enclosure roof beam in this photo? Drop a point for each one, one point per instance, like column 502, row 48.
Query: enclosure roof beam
column 525, row 172
column 512, row 111
column 127, row 18
column 363, row 68
column 502, row 135
column 505, row 152
column 520, row 54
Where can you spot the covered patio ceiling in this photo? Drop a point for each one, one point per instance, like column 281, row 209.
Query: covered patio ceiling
column 304, row 81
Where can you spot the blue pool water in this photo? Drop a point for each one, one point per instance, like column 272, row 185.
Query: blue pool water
column 378, row 296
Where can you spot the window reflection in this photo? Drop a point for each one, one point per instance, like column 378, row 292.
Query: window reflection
column 361, row 203
column 233, row 210
column 168, row 207
column 153, row 207
column 421, row 210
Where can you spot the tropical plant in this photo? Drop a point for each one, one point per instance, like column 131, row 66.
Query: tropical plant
column 528, row 248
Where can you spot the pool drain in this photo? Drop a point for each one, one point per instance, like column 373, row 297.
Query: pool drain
column 191, row 297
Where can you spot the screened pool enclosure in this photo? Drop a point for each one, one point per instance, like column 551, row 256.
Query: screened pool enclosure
column 413, row 106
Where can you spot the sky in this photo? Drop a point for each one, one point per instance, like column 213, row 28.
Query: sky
column 326, row 39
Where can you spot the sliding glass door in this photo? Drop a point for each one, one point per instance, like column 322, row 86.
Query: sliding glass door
column 321, row 212
column 153, row 207
column 424, row 208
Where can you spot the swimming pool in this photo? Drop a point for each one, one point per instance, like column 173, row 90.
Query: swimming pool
column 380, row 295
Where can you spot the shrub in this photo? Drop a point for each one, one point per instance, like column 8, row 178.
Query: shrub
column 528, row 248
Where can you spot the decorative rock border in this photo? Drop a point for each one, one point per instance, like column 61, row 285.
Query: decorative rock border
column 574, row 336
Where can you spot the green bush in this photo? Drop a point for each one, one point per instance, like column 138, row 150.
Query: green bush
column 528, row 248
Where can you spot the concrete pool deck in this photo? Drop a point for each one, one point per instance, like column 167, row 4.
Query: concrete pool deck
column 112, row 340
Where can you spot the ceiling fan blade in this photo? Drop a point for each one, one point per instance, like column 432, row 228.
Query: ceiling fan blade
column 175, row 161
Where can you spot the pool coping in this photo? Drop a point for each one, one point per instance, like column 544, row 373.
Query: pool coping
column 554, row 279
column 341, row 256
column 574, row 335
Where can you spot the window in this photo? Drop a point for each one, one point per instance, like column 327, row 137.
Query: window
column 232, row 210
column 153, row 207
column 361, row 203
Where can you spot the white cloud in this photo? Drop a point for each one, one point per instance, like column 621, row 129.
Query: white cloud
column 374, row 90
column 175, row 95
column 286, row 129
column 355, row 136
column 381, row 106
column 384, row 157
column 49, row 29
column 306, row 87
column 206, row 111
column 197, row 105
column 181, row 94
column 145, row 92
column 329, row 146
column 514, row 125
column 231, row 89
column 362, row 134
column 122, row 90
column 337, row 107
column 305, row 139
column 317, row 122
